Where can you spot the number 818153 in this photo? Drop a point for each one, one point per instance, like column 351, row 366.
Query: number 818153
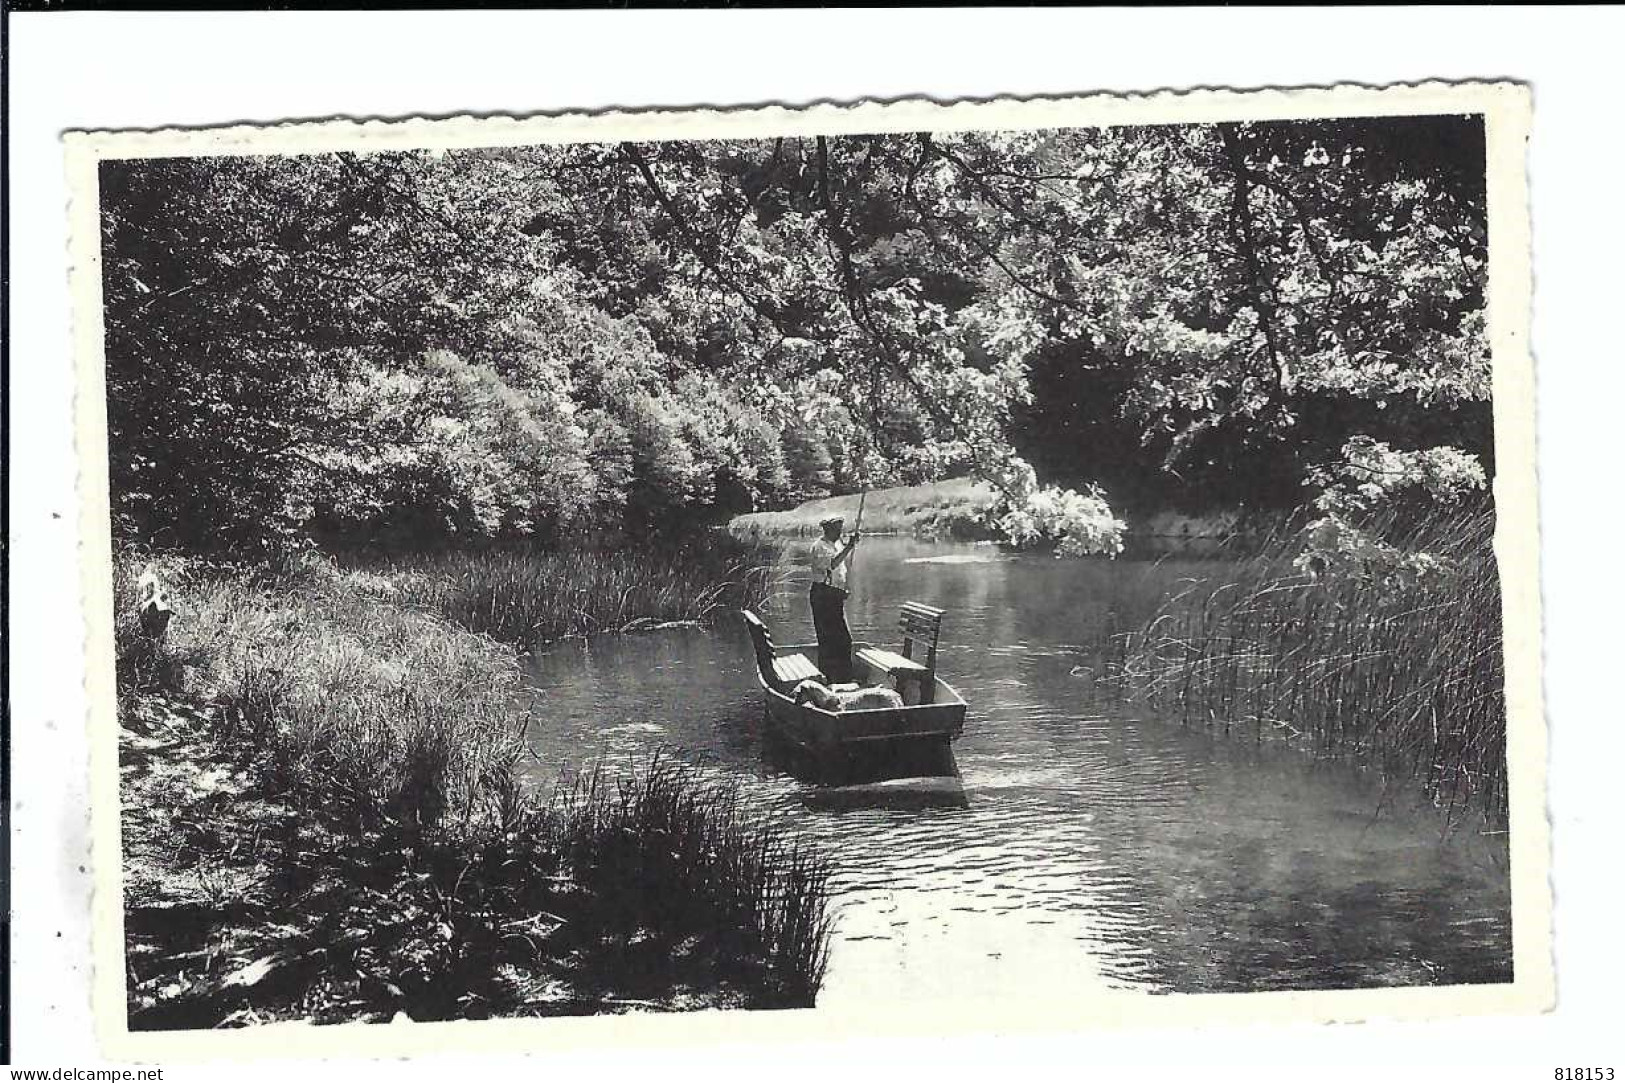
column 1583, row 1075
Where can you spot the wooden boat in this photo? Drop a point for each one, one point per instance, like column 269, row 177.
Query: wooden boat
column 939, row 716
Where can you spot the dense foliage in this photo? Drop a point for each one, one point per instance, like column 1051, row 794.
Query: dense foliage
column 329, row 814
column 596, row 338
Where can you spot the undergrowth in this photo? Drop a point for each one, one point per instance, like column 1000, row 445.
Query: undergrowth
column 325, row 818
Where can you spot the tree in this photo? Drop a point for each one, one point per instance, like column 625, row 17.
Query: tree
column 701, row 328
column 242, row 294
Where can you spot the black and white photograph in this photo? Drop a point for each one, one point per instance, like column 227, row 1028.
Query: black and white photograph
column 896, row 559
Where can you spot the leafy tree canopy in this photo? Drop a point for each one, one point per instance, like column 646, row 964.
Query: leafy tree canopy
column 553, row 340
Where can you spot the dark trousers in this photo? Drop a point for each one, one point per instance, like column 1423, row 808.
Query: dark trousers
column 834, row 637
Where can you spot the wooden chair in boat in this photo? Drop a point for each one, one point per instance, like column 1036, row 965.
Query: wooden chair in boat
column 917, row 663
column 782, row 673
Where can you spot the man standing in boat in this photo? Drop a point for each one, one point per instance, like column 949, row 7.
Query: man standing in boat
column 828, row 598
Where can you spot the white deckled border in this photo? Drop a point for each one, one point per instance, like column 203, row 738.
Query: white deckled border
column 1506, row 109
column 907, row 115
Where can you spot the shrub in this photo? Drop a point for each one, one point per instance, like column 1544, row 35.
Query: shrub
column 1073, row 524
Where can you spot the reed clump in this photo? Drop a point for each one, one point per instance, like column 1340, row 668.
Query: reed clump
column 531, row 597
column 667, row 848
column 1406, row 671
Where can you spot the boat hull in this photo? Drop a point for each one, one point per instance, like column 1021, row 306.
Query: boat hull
column 817, row 730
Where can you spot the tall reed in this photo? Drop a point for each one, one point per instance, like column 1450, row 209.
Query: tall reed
column 667, row 849
column 528, row 597
column 1404, row 671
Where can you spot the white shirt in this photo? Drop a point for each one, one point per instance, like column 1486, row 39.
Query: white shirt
column 828, row 563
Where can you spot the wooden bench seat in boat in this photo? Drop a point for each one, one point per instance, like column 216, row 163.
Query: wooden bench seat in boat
column 921, row 625
column 792, row 669
column 781, row 672
column 889, row 661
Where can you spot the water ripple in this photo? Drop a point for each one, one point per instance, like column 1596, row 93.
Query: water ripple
column 1091, row 850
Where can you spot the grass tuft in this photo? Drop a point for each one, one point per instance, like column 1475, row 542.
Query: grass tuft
column 386, row 712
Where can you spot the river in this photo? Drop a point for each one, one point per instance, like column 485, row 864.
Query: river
column 1094, row 847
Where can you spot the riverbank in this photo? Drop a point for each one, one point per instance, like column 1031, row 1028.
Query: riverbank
column 959, row 508
column 955, row 507
column 323, row 820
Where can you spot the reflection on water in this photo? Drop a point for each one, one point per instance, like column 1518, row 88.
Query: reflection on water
column 1079, row 848
column 919, row 792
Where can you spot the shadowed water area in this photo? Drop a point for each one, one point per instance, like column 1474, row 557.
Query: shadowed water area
column 1093, row 846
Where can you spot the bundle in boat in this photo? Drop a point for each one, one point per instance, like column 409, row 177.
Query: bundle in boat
column 845, row 697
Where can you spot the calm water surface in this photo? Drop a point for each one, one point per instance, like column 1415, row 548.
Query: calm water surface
column 1095, row 846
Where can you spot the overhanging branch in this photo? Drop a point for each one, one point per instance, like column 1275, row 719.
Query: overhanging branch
column 632, row 154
